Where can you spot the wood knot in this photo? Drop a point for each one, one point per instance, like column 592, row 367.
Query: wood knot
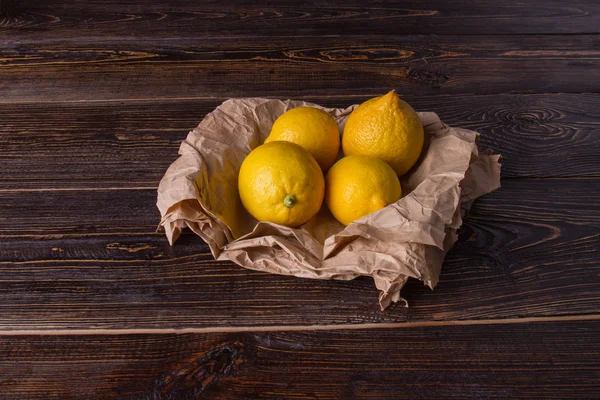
column 194, row 378
column 431, row 78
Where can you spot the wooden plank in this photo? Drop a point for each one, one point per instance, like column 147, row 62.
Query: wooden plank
column 524, row 360
column 131, row 68
column 131, row 144
column 74, row 19
column 89, row 259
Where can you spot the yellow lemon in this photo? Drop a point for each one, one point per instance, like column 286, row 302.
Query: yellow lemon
column 311, row 128
column 387, row 128
column 281, row 182
column 359, row 185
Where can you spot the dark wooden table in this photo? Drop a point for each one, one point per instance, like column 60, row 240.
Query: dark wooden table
column 95, row 98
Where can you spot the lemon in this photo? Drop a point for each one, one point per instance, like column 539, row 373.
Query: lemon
column 311, row 128
column 281, row 182
column 359, row 185
column 387, row 128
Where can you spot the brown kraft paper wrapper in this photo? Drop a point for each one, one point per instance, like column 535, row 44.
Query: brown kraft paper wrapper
column 407, row 239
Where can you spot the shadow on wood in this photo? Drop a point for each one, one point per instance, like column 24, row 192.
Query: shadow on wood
column 8, row 8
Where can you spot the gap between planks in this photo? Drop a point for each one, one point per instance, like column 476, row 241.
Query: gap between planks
column 169, row 39
column 200, row 98
column 115, row 188
column 83, row 189
column 363, row 95
column 292, row 328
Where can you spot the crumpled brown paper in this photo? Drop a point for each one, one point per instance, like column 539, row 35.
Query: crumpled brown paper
column 406, row 239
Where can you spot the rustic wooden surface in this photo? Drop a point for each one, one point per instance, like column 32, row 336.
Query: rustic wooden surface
column 95, row 97
column 504, row 360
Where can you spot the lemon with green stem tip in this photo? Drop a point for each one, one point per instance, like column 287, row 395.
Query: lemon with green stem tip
column 281, row 182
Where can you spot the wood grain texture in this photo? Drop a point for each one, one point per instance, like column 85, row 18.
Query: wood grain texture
column 131, row 144
column 96, row 97
column 43, row 19
column 540, row 360
column 90, row 259
column 131, row 68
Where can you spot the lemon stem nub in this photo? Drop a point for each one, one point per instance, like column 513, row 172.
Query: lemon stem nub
column 289, row 201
